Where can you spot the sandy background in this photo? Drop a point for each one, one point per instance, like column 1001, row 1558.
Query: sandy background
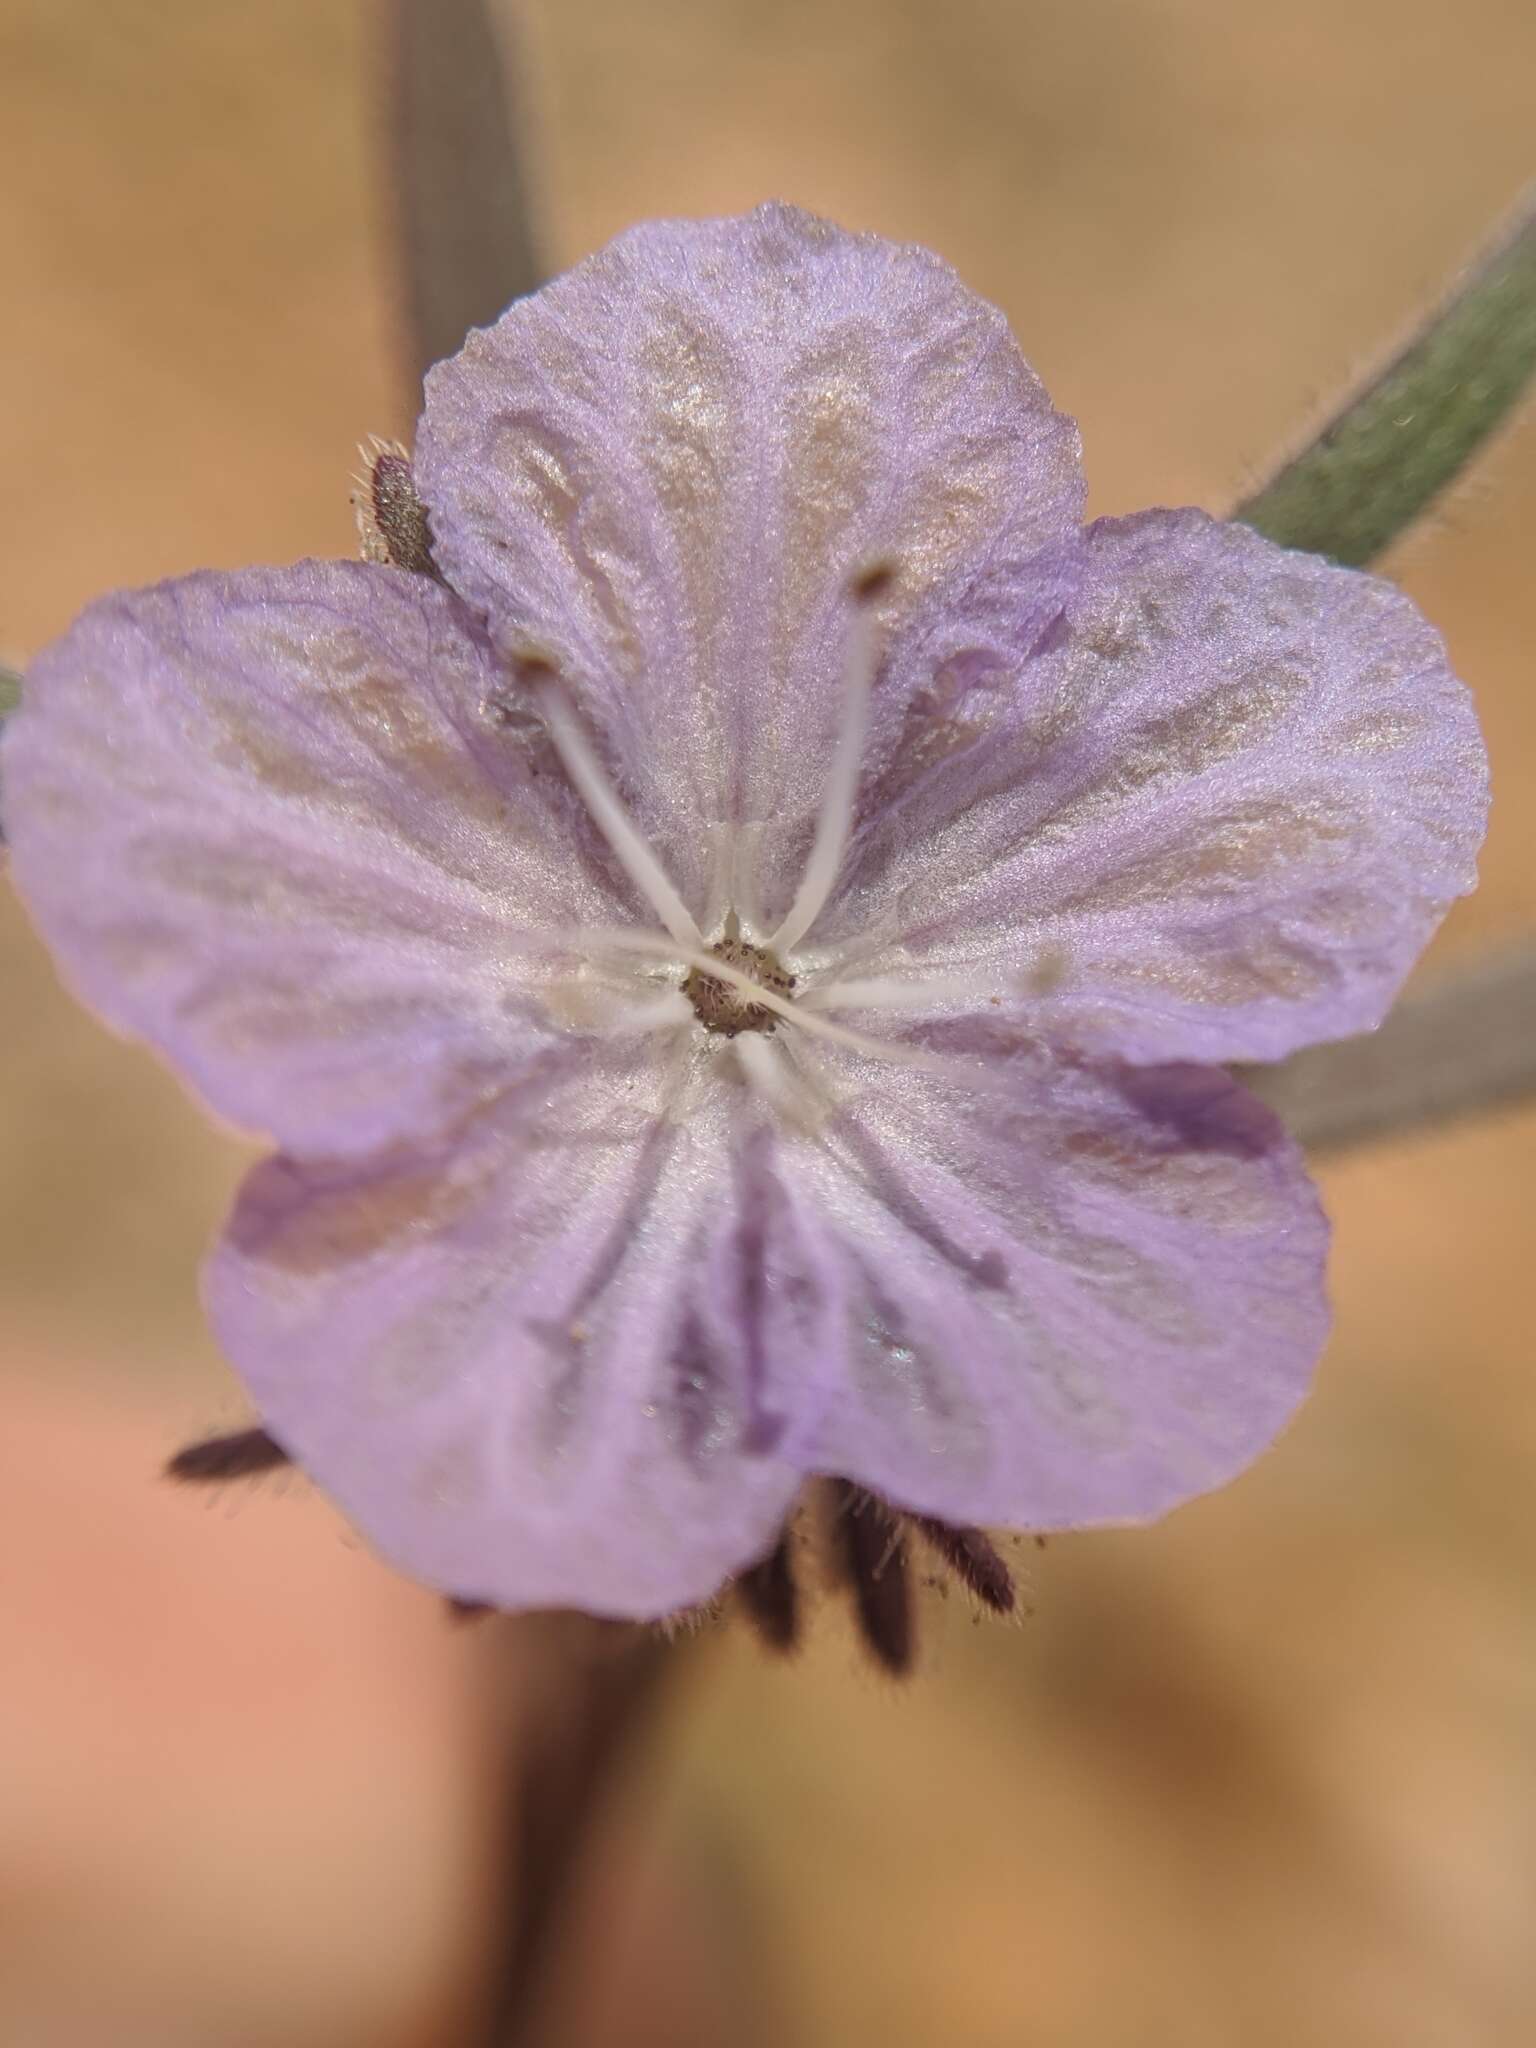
column 1266, row 1774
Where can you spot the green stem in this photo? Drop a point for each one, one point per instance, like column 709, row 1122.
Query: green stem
column 464, row 219
column 1456, row 1048
column 1408, row 433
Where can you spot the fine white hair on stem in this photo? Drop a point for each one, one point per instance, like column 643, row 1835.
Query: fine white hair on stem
column 836, row 816
column 585, row 770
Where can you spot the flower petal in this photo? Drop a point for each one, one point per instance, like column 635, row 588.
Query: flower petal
column 262, row 823
column 1084, row 1304
column 532, row 1365
column 663, row 469
column 1222, row 816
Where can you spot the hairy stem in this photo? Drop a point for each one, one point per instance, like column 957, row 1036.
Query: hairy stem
column 464, row 221
column 1462, row 1046
column 1394, row 446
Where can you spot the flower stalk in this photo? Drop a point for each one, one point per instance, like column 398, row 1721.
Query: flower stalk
column 464, row 223
column 1398, row 442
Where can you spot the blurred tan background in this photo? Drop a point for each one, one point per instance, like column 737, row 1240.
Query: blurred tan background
column 1266, row 1774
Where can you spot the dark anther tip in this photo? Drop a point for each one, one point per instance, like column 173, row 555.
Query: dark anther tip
column 238, row 1456
column 975, row 1561
column 770, row 1598
column 870, row 583
column 533, row 666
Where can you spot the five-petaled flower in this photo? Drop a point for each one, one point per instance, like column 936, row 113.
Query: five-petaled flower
column 734, row 946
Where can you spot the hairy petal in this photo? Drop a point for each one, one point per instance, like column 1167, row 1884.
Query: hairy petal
column 1227, row 807
column 1084, row 1305
column 557, row 1362
column 663, row 469
column 263, row 823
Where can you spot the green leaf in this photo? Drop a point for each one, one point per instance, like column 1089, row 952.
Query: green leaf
column 1396, row 445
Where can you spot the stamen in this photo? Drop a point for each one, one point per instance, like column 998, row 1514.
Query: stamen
column 892, row 1051
column 835, row 821
column 769, row 1073
column 734, row 852
column 585, row 1006
column 890, row 993
column 608, row 814
column 960, row 1072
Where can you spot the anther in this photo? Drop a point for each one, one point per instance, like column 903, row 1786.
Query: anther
column 835, row 820
column 579, row 758
column 869, row 584
column 392, row 522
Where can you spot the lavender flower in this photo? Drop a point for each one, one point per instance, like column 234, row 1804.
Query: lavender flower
column 733, row 941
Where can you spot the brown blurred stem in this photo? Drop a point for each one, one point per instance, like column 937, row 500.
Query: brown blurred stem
column 592, row 1690
column 464, row 220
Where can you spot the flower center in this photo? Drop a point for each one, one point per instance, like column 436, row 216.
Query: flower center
column 724, row 1006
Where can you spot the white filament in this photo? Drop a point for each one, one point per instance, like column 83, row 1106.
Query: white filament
column 890, row 993
column 610, row 816
column 586, row 1006
column 795, row 1013
column 769, row 1074
column 836, row 817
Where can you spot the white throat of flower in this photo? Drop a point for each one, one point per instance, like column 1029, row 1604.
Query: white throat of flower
column 681, row 944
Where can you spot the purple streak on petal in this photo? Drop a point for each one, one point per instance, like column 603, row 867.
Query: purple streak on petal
column 518, row 1362
column 263, row 823
column 1222, row 818
column 1083, row 1309
column 663, row 469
